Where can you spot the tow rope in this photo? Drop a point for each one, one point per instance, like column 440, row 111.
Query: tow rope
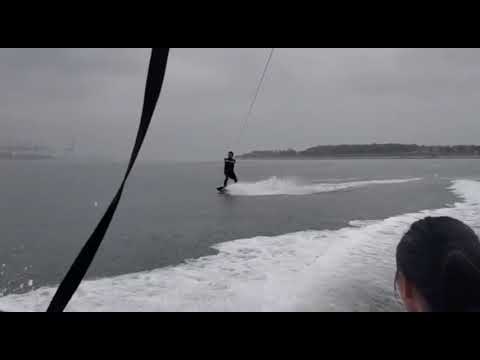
column 74, row 276
column 254, row 100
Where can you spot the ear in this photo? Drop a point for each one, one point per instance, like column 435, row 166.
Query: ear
column 409, row 294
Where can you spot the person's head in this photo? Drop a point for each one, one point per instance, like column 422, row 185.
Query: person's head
column 438, row 266
column 230, row 154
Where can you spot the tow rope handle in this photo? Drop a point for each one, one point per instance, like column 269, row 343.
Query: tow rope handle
column 74, row 276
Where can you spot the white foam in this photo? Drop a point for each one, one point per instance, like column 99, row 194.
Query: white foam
column 468, row 190
column 290, row 186
column 361, row 223
column 343, row 270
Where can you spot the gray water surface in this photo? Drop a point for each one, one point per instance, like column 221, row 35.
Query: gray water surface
column 171, row 211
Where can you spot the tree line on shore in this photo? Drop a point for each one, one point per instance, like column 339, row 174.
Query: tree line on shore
column 369, row 150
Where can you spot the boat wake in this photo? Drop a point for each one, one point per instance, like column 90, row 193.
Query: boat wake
column 289, row 186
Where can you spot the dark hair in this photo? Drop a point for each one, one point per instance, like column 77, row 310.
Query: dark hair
column 441, row 257
column 230, row 152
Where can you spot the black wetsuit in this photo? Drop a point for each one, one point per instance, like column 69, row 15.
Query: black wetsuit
column 228, row 171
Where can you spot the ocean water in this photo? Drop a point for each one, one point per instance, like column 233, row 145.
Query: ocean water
column 300, row 235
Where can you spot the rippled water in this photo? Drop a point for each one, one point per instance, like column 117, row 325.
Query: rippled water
column 291, row 236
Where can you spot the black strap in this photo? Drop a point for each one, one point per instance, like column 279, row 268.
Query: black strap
column 156, row 72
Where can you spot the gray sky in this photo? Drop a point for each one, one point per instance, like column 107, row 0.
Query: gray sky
column 309, row 97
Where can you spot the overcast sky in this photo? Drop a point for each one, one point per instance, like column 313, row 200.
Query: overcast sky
column 309, row 97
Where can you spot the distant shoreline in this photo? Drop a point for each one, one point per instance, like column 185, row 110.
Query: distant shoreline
column 25, row 157
column 358, row 157
column 370, row 151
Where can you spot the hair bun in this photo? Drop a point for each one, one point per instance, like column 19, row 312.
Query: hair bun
column 462, row 283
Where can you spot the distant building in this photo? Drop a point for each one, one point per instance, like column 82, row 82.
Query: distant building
column 20, row 152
